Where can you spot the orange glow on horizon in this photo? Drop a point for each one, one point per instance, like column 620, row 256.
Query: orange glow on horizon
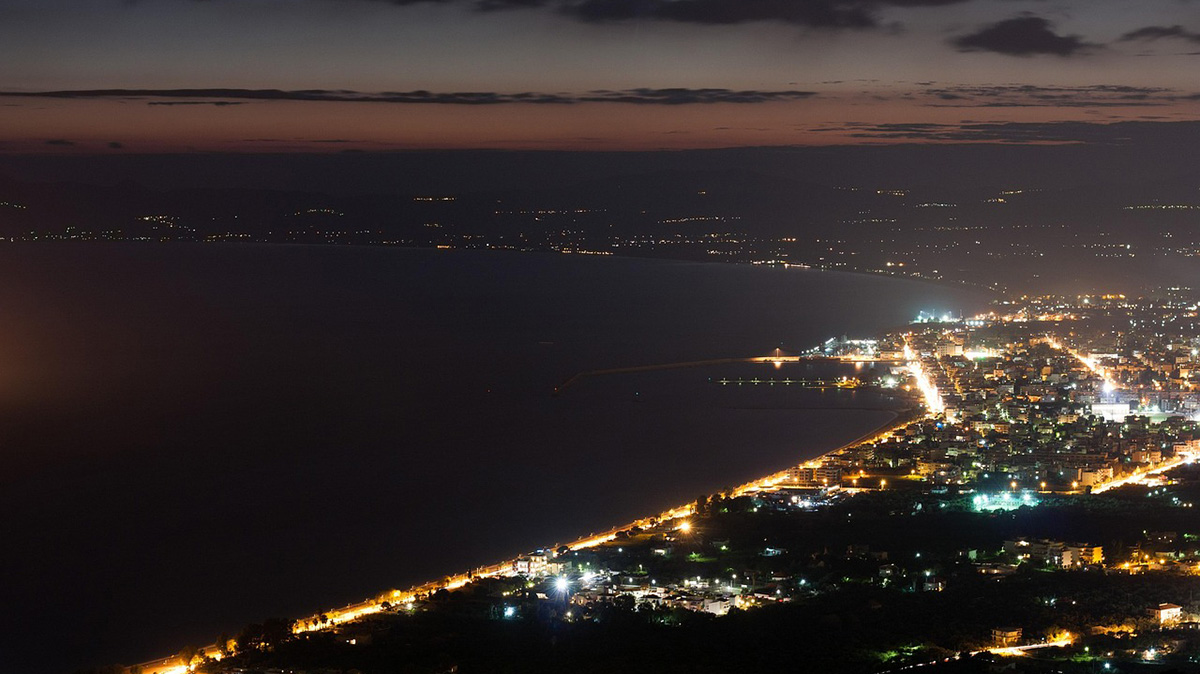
column 90, row 125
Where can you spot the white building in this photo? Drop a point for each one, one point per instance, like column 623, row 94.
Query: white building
column 1166, row 613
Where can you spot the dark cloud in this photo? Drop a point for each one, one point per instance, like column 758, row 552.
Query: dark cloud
column 229, row 96
column 1023, row 36
column 812, row 13
column 480, row 5
column 1026, row 133
column 919, row 3
column 216, row 103
column 483, row 5
column 1159, row 32
column 687, row 96
column 821, row 14
column 60, row 141
column 303, row 140
column 400, row 3
column 492, row 5
column 114, row 145
column 1028, row 95
column 670, row 96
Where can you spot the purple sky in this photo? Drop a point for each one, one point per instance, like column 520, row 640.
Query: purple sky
column 270, row 75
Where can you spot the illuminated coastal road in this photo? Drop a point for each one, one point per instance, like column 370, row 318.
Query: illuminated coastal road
column 1025, row 650
column 1141, row 477
column 675, row 517
column 1006, row 651
column 1089, row 362
column 933, row 399
column 933, row 406
column 1137, row 477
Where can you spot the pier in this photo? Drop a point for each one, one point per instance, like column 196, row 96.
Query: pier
column 777, row 360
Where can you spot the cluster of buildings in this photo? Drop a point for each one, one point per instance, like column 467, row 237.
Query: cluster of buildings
column 1020, row 405
column 1055, row 553
column 1019, row 411
column 1017, row 408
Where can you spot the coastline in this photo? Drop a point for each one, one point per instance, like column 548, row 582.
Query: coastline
column 403, row 395
column 902, row 418
column 992, row 293
column 348, row 613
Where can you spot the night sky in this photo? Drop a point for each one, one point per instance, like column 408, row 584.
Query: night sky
column 132, row 76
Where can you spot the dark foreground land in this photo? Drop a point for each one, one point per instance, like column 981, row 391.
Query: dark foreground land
column 879, row 581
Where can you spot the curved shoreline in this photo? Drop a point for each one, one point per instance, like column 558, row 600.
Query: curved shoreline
column 899, row 420
column 376, row 604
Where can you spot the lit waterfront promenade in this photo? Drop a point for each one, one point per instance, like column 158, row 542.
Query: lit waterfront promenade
column 932, row 401
column 776, row 360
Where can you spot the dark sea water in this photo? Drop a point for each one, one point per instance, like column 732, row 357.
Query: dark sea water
column 197, row 437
